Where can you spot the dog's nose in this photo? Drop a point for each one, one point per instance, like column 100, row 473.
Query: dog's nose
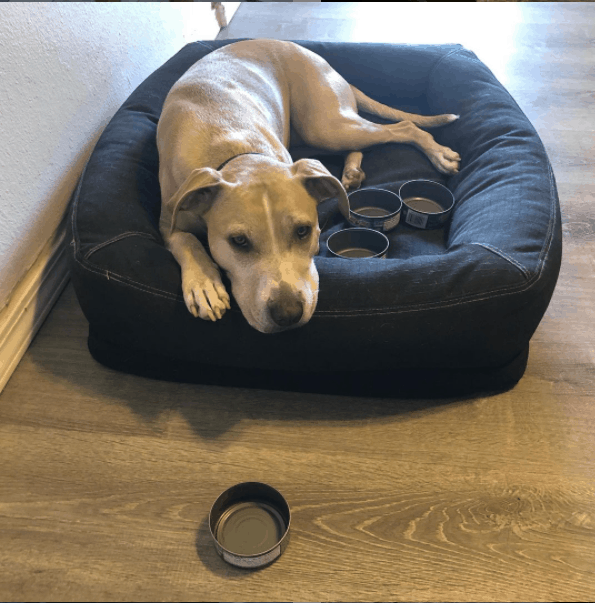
column 286, row 315
column 285, row 309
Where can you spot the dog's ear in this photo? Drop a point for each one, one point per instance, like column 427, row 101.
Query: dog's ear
column 320, row 183
column 198, row 190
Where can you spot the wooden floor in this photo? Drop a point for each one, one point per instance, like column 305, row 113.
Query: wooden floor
column 106, row 480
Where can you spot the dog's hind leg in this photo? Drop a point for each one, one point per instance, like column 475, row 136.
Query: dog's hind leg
column 354, row 133
column 324, row 112
column 375, row 108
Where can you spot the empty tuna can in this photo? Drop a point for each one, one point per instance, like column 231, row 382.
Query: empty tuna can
column 356, row 243
column 249, row 524
column 374, row 208
column 426, row 204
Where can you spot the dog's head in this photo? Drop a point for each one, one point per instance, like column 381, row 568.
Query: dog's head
column 262, row 224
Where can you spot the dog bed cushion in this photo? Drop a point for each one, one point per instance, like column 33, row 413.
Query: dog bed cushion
column 448, row 311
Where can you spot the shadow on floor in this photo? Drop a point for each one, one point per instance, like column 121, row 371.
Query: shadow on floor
column 213, row 406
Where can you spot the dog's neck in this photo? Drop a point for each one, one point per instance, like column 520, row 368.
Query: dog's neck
column 231, row 158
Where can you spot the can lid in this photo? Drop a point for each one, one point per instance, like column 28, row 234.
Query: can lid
column 250, row 528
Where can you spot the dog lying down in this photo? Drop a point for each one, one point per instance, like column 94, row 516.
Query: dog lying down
column 225, row 169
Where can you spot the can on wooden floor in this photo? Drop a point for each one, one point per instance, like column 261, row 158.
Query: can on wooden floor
column 249, row 524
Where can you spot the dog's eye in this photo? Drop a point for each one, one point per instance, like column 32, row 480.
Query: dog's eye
column 239, row 241
column 303, row 231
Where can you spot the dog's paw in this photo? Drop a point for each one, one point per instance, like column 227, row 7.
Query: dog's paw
column 445, row 160
column 205, row 296
column 352, row 178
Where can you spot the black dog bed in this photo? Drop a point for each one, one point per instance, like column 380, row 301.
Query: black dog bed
column 449, row 311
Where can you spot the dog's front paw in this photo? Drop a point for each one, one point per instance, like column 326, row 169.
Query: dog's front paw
column 352, row 178
column 205, row 296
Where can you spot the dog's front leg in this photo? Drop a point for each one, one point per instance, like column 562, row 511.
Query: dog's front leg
column 204, row 293
column 353, row 175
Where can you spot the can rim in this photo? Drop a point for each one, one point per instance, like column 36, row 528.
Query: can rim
column 378, row 218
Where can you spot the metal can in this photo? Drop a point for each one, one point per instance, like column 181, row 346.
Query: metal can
column 373, row 208
column 426, row 204
column 249, row 523
column 357, row 243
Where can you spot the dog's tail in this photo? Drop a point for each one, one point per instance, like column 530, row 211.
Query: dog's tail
column 425, row 121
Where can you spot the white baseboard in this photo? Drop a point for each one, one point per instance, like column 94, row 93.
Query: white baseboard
column 31, row 302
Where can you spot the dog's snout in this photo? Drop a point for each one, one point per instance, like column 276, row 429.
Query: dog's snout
column 285, row 308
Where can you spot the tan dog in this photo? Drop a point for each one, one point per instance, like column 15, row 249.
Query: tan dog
column 224, row 167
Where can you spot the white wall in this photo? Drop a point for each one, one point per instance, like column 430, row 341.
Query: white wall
column 65, row 68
